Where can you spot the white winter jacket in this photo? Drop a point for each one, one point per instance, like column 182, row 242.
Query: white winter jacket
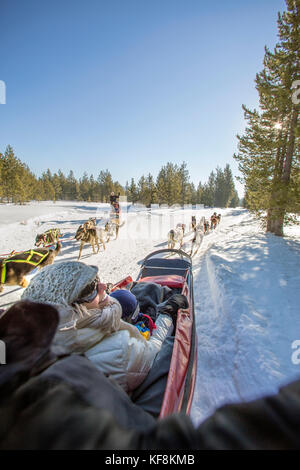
column 115, row 347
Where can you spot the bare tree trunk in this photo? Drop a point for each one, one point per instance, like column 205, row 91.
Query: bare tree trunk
column 278, row 167
column 269, row 221
column 278, row 222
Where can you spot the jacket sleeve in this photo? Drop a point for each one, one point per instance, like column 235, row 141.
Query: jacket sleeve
column 140, row 353
column 269, row 423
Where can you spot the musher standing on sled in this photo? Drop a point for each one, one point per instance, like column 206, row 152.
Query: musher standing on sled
column 114, row 198
column 115, row 206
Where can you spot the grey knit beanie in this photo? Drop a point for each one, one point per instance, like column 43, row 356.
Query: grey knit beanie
column 60, row 283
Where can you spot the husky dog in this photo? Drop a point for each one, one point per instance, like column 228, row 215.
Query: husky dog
column 197, row 240
column 89, row 235
column 181, row 226
column 175, row 236
column 14, row 268
column 49, row 237
column 206, row 226
column 213, row 221
column 111, row 229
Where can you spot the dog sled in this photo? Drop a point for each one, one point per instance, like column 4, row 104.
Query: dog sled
column 173, row 268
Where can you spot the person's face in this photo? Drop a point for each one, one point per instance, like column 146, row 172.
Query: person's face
column 101, row 299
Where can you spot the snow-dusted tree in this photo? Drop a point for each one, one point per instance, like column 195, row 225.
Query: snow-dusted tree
column 269, row 150
column 133, row 195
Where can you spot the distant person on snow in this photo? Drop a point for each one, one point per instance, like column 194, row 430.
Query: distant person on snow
column 94, row 323
column 114, row 198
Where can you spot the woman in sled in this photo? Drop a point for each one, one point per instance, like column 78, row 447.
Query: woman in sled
column 96, row 324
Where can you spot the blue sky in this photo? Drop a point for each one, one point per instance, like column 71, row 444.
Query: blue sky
column 128, row 85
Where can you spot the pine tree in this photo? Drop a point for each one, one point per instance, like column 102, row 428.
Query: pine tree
column 56, row 186
column 230, row 196
column 133, row 192
column 185, row 189
column 220, row 199
column 107, row 185
column 62, row 185
column 84, row 186
column 209, row 188
column 142, row 190
column 200, row 189
column 9, row 168
column 235, row 200
column 20, row 194
column 49, row 192
column 193, row 194
column 161, row 186
column 269, row 150
column 151, row 189
column 169, row 185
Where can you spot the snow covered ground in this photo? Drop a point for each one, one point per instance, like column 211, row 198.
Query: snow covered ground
column 246, row 287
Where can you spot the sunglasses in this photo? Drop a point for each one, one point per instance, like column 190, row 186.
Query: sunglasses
column 89, row 293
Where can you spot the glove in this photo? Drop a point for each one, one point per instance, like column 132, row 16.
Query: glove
column 172, row 305
column 109, row 287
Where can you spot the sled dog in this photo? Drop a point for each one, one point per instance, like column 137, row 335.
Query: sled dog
column 14, row 268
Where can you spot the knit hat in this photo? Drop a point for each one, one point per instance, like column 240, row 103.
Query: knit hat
column 127, row 300
column 60, row 283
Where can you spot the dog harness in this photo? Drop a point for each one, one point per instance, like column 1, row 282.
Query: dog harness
column 48, row 232
column 27, row 260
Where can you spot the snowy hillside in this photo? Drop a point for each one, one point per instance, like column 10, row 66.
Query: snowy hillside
column 246, row 287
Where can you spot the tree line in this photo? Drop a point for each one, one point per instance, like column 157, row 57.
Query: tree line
column 172, row 186
column 269, row 150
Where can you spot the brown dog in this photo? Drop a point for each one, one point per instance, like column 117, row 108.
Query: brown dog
column 49, row 237
column 89, row 235
column 14, row 269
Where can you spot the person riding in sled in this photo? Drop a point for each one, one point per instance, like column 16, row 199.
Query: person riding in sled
column 92, row 322
column 142, row 321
